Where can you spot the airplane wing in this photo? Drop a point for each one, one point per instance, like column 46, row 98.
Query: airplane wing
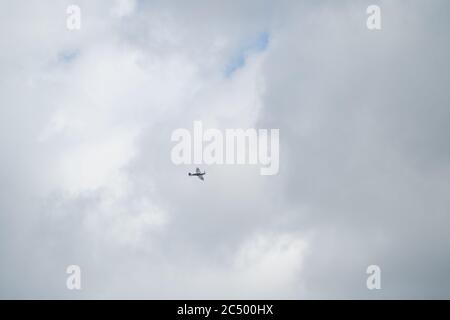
column 197, row 170
column 201, row 178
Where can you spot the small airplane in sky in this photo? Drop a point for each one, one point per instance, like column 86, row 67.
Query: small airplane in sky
column 198, row 173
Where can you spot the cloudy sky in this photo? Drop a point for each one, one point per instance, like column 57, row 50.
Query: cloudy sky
column 86, row 177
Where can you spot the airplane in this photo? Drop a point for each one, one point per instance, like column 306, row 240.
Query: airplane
column 198, row 173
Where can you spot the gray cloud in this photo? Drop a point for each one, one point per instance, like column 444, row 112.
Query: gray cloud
column 86, row 175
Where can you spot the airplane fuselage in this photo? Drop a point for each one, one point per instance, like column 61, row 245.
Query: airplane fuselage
column 197, row 174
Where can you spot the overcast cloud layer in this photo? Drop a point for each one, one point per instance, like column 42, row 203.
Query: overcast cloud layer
column 86, row 176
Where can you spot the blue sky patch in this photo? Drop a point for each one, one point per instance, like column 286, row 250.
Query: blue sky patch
column 237, row 61
column 68, row 56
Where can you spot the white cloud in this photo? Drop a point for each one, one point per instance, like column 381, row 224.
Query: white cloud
column 270, row 264
column 123, row 8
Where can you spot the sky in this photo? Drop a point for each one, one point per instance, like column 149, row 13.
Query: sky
column 86, row 177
